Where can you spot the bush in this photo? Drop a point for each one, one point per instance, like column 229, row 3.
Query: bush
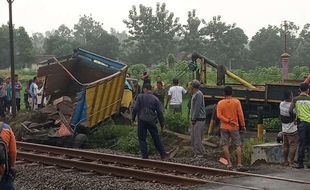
column 177, row 122
column 248, row 149
column 107, row 136
column 130, row 143
column 272, row 124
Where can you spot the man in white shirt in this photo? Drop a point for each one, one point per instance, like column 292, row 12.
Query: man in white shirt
column 34, row 90
column 175, row 97
column 289, row 130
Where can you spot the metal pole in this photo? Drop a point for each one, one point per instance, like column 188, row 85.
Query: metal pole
column 12, row 59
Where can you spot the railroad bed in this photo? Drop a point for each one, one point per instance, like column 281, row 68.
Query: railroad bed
column 130, row 167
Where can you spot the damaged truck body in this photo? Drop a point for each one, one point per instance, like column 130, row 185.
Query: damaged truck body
column 78, row 92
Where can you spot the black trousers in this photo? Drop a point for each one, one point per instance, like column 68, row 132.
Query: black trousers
column 143, row 127
column 6, row 183
column 18, row 104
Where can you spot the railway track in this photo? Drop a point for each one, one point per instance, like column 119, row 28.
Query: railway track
column 130, row 167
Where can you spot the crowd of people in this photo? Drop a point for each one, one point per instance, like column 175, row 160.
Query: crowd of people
column 30, row 96
column 228, row 114
column 6, row 94
column 149, row 107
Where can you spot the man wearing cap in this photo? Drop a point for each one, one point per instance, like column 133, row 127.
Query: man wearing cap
column 301, row 106
column 198, row 119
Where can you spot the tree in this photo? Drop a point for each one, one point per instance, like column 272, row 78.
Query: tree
column 59, row 42
column 303, row 48
column 4, row 47
column 266, row 47
column 37, row 40
column 24, row 53
column 152, row 37
column 192, row 34
column 90, row 35
column 23, row 48
column 224, row 42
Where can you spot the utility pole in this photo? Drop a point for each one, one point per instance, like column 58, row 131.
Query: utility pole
column 12, row 59
column 285, row 56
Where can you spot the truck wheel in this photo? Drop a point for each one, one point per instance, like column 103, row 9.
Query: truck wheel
column 79, row 141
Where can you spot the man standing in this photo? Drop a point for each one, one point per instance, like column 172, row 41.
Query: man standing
column 8, row 99
column 18, row 88
column 160, row 92
column 158, row 79
column 230, row 114
column 289, row 130
column 7, row 156
column 146, row 79
column 301, row 104
column 198, row 119
column 175, row 97
column 34, row 90
column 149, row 110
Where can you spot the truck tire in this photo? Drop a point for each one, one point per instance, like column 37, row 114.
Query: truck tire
column 80, row 140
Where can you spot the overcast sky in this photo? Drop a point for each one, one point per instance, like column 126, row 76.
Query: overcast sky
column 250, row 15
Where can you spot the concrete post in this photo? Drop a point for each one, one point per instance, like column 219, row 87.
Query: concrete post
column 284, row 62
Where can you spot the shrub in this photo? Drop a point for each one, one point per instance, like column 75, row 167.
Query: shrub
column 272, row 124
column 107, row 136
column 248, row 149
column 130, row 143
column 177, row 122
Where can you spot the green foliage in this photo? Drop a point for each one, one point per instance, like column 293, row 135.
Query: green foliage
column 299, row 73
column 272, row 124
column 260, row 75
column 224, row 42
column 177, row 122
column 192, row 34
column 152, row 36
column 119, row 137
column 59, row 42
column 136, row 70
column 24, row 54
column 171, row 60
column 107, row 136
column 266, row 46
column 91, row 36
column 248, row 149
column 87, row 33
column 130, row 143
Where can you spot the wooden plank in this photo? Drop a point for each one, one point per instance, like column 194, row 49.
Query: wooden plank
column 188, row 138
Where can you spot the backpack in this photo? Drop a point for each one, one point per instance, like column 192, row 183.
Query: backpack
column 4, row 161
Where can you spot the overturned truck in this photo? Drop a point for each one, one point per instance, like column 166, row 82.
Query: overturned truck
column 78, row 92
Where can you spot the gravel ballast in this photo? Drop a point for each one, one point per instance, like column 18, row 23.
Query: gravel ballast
column 39, row 177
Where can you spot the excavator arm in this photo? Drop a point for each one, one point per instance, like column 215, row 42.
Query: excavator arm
column 223, row 69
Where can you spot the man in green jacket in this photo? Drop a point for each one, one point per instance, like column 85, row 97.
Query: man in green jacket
column 301, row 106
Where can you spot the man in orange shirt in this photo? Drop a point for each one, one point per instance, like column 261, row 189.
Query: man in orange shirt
column 229, row 112
column 7, row 156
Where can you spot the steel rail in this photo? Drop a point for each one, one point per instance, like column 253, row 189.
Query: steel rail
column 126, row 160
column 120, row 171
